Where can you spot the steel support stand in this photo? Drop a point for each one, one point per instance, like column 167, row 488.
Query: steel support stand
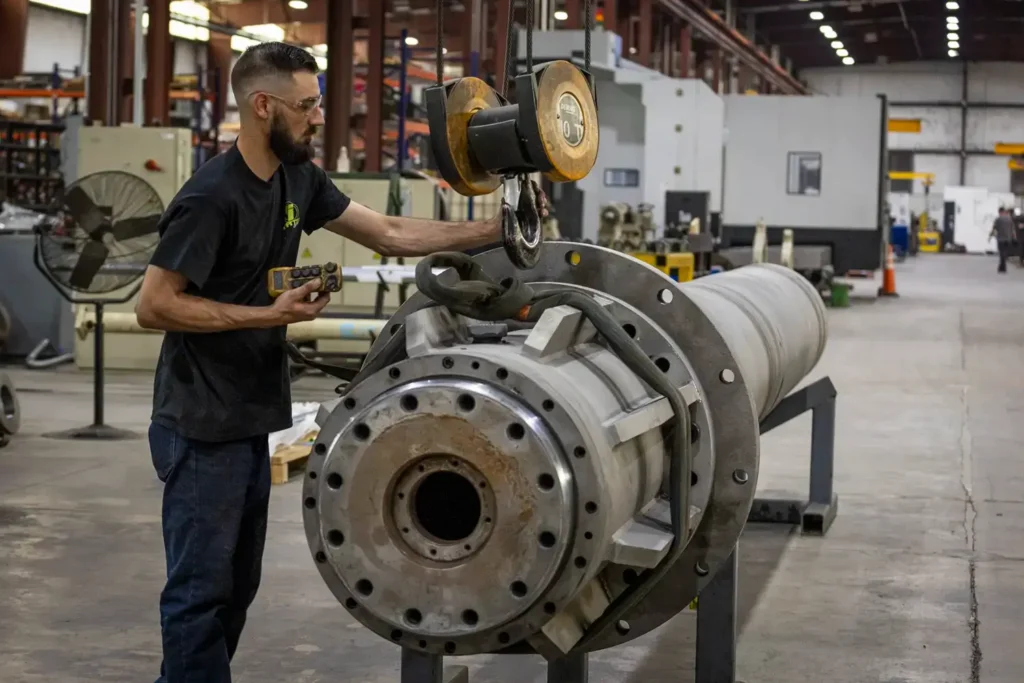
column 421, row 667
column 815, row 514
column 716, row 625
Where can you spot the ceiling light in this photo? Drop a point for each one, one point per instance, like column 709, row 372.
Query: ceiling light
column 953, row 53
column 298, row 4
column 825, row 28
column 954, row 19
column 412, row 40
column 837, row 44
column 848, row 61
column 817, row 16
column 831, row 35
column 952, row 5
column 843, row 53
column 952, row 36
column 561, row 15
column 954, row 44
column 952, row 27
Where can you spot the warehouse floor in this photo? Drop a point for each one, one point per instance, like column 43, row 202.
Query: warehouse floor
column 920, row 579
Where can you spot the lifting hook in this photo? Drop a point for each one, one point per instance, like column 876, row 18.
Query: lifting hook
column 521, row 232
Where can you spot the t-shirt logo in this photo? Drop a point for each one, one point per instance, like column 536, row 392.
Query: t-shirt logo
column 291, row 215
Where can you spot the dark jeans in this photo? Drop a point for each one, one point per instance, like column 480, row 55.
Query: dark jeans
column 214, row 526
column 1004, row 253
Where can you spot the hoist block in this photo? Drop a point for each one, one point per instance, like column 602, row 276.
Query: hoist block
column 478, row 137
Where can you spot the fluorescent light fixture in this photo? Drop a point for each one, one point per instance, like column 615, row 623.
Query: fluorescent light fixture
column 412, row 41
column 843, row 53
column 848, row 61
column 76, row 6
column 825, row 28
column 817, row 16
column 831, row 35
column 953, row 53
column 953, row 19
column 561, row 15
column 298, row 4
column 952, row 36
column 264, row 32
column 837, row 44
column 952, row 27
column 952, row 5
column 954, row 44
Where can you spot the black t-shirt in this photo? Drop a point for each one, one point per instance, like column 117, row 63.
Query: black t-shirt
column 224, row 230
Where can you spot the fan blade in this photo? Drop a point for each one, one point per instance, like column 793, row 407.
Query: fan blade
column 88, row 216
column 92, row 258
column 135, row 227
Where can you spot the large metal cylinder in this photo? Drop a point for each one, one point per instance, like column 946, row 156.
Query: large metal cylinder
column 490, row 486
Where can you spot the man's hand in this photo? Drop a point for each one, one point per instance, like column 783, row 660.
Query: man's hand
column 294, row 305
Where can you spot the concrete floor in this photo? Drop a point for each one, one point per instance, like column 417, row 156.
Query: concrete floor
column 920, row 579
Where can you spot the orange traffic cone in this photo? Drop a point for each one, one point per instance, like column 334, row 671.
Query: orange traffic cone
column 888, row 287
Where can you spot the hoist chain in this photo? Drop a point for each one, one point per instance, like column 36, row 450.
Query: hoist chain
column 440, row 42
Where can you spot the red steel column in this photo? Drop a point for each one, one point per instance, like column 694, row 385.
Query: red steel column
column 645, row 28
column 100, row 24
column 375, row 87
column 685, row 49
column 501, row 43
column 338, row 126
column 125, row 59
column 218, row 60
column 158, row 63
column 13, row 28
column 575, row 12
column 611, row 15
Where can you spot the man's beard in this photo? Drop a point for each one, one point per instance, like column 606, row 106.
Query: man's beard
column 289, row 151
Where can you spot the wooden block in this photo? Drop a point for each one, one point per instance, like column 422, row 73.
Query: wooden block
column 286, row 460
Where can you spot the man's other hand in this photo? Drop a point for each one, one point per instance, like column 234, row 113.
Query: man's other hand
column 295, row 306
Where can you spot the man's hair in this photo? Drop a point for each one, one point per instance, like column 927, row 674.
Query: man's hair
column 268, row 61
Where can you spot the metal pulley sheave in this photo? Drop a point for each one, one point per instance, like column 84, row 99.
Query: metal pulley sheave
column 481, row 141
column 553, row 460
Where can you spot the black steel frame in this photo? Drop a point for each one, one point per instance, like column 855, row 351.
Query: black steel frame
column 717, row 607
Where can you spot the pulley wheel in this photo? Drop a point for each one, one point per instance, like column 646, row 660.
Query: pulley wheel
column 10, row 409
column 454, row 106
column 564, row 118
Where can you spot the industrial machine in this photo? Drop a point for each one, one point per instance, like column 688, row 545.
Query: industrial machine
column 624, row 229
column 559, row 460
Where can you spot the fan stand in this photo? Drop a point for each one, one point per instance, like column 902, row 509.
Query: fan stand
column 98, row 430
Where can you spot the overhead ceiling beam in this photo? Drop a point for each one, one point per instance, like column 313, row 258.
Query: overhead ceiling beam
column 732, row 41
column 819, row 4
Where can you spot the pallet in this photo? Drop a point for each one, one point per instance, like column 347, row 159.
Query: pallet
column 290, row 460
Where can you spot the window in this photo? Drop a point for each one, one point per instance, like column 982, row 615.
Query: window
column 804, row 173
column 621, row 177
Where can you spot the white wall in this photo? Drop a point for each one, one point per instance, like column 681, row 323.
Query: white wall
column 762, row 130
column 1001, row 82
column 54, row 36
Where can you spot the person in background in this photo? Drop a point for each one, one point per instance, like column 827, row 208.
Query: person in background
column 1003, row 230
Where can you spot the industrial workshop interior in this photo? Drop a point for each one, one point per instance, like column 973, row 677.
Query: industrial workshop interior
column 724, row 388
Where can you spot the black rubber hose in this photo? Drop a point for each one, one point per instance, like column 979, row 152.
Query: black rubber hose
column 478, row 296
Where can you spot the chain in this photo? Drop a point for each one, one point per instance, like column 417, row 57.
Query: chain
column 510, row 36
column 588, row 28
column 530, row 4
column 440, row 42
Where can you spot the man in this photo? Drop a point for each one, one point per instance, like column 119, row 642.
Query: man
column 1003, row 230
column 222, row 379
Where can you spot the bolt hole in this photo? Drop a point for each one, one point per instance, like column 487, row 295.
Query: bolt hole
column 663, row 364
column 361, row 431
column 410, row 403
column 349, row 403
column 310, row 503
column 475, row 365
column 413, row 616
column 546, row 482
column 447, row 363
column 580, row 452
column 573, row 258
column 483, row 484
column 449, row 647
column 580, row 562
column 630, row 329
column 405, row 529
column 502, row 373
column 590, row 507
column 467, row 547
column 320, row 448
column 312, row 475
column 548, row 405
column 396, row 635
column 335, row 537
column 487, row 520
column 433, row 551
column 364, row 587
column 518, row 589
column 351, row 603
column 401, row 496
column 549, row 607
column 466, row 403
column 516, row 431
column 665, row 296
column 588, row 535
column 503, row 638
column 507, row 282
column 334, row 480
column 395, row 328
column 423, row 644
column 321, row 556
column 547, row 539
column 454, row 462
column 694, row 432
column 394, row 373
column 622, row 627
column 694, row 478
column 469, row 617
